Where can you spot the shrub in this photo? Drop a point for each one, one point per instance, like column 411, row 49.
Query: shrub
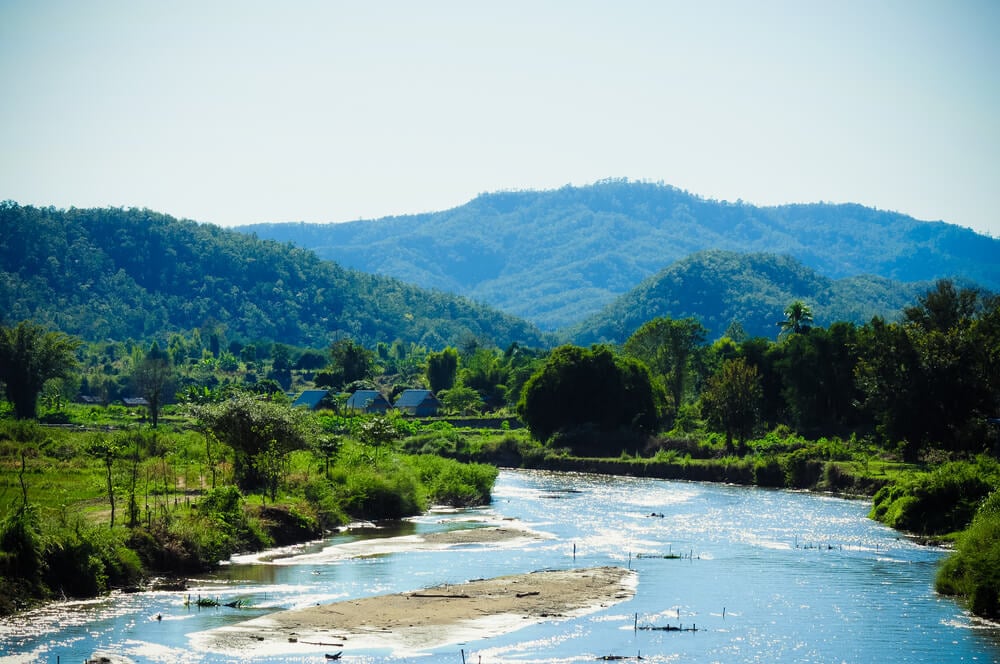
column 973, row 571
column 370, row 495
column 939, row 502
column 768, row 472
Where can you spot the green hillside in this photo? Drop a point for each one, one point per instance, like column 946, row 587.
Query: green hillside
column 129, row 273
column 722, row 287
column 555, row 257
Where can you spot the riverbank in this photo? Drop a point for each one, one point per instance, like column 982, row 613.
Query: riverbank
column 428, row 618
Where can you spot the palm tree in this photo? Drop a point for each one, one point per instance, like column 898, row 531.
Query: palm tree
column 798, row 319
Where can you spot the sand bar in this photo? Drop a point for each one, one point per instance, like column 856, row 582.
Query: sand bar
column 509, row 536
column 428, row 618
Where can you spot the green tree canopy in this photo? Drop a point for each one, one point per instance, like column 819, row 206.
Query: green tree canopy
column 441, row 369
column 667, row 346
column 153, row 379
column 798, row 319
column 350, row 361
column 580, row 388
column 731, row 400
column 29, row 356
column 258, row 430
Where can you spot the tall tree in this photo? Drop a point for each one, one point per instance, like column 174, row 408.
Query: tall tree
column 441, row 369
column 731, row 400
column 667, row 346
column 817, row 378
column 798, row 319
column 153, row 379
column 260, row 432
column 29, row 356
column 579, row 389
column 350, row 361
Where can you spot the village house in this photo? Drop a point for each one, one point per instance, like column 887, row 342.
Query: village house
column 419, row 403
column 368, row 401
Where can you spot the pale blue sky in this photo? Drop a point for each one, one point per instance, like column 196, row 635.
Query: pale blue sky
column 241, row 112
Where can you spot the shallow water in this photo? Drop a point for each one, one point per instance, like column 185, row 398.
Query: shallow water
column 767, row 576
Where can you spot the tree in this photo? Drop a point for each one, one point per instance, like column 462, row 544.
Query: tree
column 378, row 432
column 932, row 380
column 461, row 399
column 579, row 389
column 253, row 426
column 943, row 308
column 29, row 356
column 107, row 450
column 281, row 365
column 889, row 377
column 350, row 361
column 441, row 369
column 731, row 400
column 666, row 346
column 153, row 380
column 798, row 319
column 817, row 378
column 485, row 372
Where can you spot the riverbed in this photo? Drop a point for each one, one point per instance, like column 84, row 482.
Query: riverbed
column 722, row 574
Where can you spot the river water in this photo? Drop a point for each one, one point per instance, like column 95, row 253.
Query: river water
column 767, row 576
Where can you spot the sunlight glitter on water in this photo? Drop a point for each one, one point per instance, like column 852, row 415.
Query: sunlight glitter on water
column 776, row 577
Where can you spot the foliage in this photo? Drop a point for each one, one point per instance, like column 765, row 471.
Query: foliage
column 939, row 502
column 260, row 432
column 29, row 356
column 448, row 482
column 717, row 287
column 731, row 400
column 441, row 369
column 798, row 319
column 556, row 257
column 578, row 388
column 131, row 273
column 973, row 571
column 667, row 347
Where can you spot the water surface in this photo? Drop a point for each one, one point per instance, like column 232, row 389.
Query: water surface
column 764, row 576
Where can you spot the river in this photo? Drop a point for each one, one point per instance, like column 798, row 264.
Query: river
column 766, row 576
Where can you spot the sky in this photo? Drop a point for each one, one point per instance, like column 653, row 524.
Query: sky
column 243, row 112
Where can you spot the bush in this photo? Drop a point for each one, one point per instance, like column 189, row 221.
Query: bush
column 369, row 495
column 801, row 470
column 84, row 561
column 448, row 482
column 973, row 571
column 768, row 472
column 939, row 502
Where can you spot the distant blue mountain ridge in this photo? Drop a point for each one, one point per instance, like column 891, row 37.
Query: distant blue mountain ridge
column 559, row 257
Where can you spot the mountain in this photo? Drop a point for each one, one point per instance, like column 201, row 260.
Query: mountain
column 555, row 257
column 129, row 273
column 721, row 287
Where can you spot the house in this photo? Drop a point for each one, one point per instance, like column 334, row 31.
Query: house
column 368, row 401
column 132, row 402
column 420, row 403
column 309, row 399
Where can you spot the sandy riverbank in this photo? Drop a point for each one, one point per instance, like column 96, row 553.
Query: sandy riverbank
column 428, row 618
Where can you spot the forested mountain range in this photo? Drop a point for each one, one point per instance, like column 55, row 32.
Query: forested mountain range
column 555, row 257
column 722, row 287
column 129, row 273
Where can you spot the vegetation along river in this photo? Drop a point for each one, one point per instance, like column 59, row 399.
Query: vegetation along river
column 765, row 576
